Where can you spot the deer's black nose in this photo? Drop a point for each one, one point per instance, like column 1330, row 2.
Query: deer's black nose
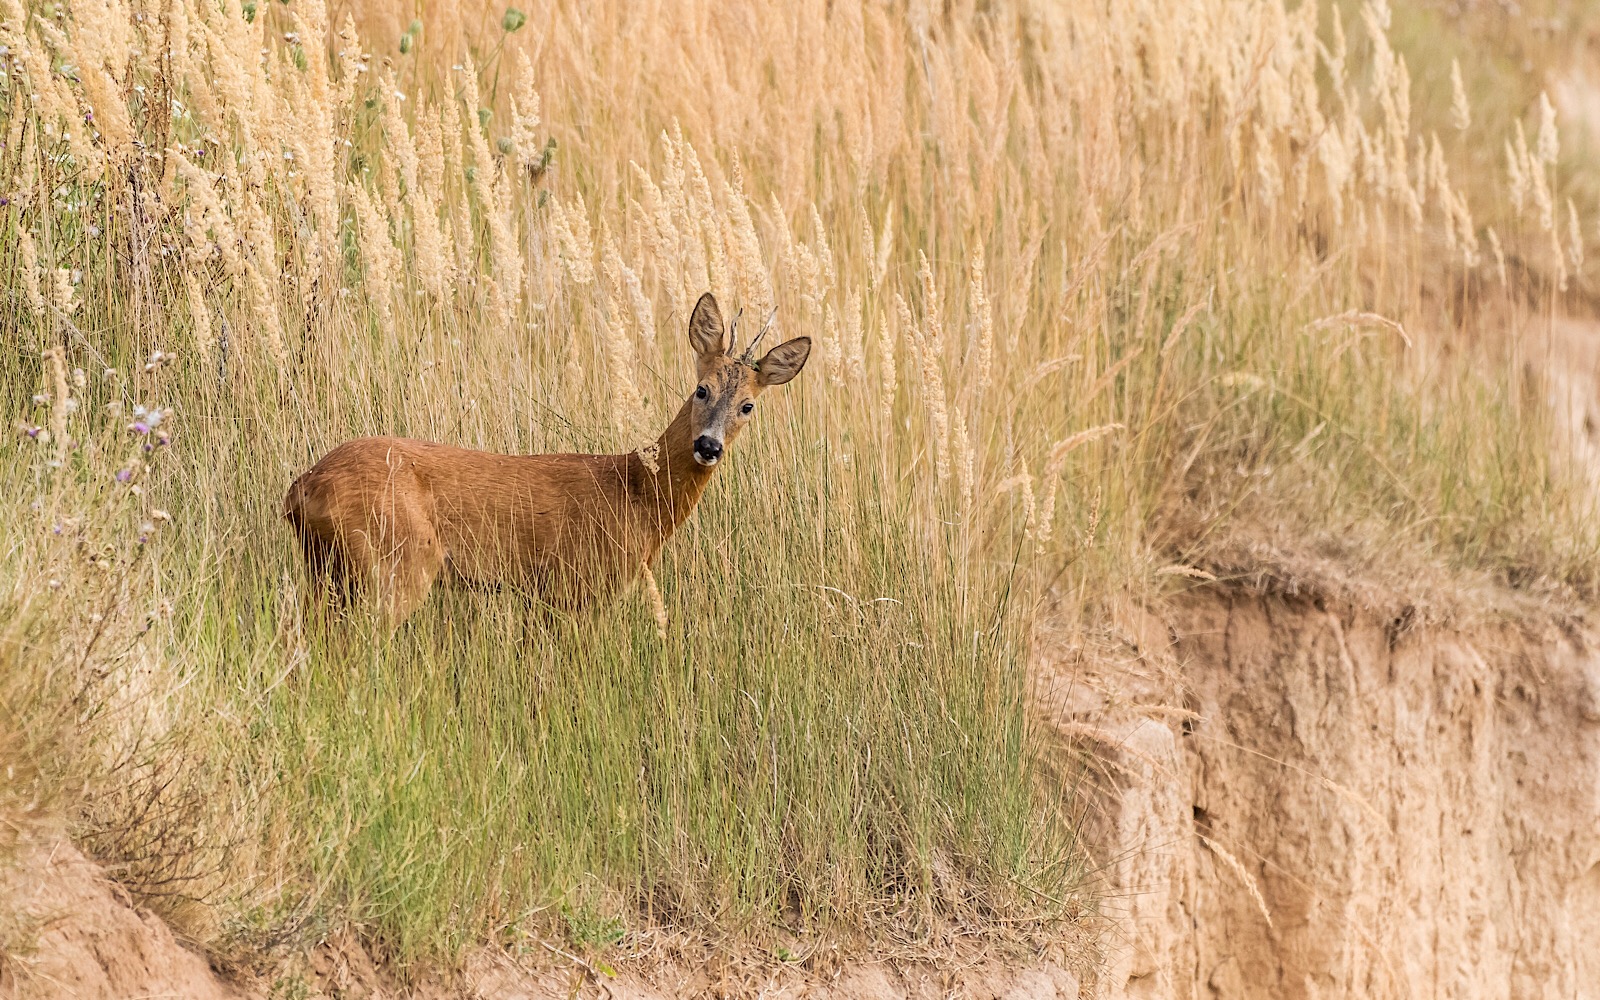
column 707, row 449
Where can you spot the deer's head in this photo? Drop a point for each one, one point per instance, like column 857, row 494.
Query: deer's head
column 725, row 397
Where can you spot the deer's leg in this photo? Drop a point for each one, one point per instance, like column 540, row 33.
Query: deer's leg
column 395, row 559
column 327, row 584
column 325, row 554
column 410, row 562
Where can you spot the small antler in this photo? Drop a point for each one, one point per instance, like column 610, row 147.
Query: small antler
column 749, row 351
column 733, row 330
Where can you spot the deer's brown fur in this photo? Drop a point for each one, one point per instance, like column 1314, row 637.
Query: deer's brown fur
column 388, row 517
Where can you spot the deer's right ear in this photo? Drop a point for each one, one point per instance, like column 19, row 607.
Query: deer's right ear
column 706, row 332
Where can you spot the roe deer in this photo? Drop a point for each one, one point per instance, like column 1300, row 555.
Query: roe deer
column 389, row 516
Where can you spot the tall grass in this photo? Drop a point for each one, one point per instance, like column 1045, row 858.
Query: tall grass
column 1095, row 290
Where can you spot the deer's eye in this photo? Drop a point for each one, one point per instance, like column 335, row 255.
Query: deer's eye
column 700, row 393
column 746, row 408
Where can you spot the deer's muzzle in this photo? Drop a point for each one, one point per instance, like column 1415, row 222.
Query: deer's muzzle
column 707, row 450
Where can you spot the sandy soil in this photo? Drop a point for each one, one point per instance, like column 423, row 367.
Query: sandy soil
column 90, row 942
column 1302, row 797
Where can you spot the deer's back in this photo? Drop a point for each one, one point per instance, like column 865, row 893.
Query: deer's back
column 499, row 518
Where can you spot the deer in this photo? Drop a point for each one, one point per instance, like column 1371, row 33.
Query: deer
column 383, row 519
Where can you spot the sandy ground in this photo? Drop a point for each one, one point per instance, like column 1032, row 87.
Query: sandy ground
column 90, row 942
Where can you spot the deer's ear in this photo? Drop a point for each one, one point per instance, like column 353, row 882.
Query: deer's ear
column 705, row 327
column 783, row 362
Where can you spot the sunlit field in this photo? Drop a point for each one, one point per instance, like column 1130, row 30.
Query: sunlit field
column 1104, row 298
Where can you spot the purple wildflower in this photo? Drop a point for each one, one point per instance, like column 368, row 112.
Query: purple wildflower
column 139, row 427
column 124, row 475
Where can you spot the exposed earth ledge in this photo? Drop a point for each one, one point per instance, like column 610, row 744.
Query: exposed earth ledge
column 1303, row 798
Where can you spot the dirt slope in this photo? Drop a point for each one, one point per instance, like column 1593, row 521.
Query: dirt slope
column 89, row 942
column 1317, row 801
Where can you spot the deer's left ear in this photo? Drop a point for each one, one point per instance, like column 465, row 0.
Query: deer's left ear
column 706, row 333
column 783, row 362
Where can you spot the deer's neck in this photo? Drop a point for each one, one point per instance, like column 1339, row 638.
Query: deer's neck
column 671, row 490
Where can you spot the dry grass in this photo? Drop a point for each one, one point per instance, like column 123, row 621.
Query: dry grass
column 1091, row 288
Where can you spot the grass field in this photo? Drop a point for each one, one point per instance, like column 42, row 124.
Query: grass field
column 1096, row 292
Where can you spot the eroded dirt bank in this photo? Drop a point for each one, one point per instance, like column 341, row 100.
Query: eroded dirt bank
column 88, row 940
column 1304, row 799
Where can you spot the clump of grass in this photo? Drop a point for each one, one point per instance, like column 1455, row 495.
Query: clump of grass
column 1072, row 326
column 793, row 755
